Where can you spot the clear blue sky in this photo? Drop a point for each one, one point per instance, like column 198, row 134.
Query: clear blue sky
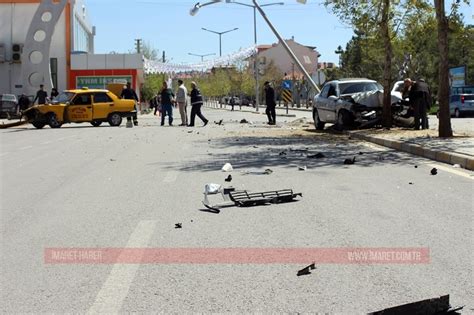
column 167, row 25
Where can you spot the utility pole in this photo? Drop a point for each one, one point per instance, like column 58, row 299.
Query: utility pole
column 164, row 57
column 138, row 45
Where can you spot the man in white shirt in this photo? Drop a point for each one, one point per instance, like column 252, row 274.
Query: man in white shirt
column 181, row 95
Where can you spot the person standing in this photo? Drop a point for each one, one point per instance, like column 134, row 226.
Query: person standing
column 41, row 96
column 24, row 102
column 54, row 93
column 167, row 100
column 157, row 99
column 181, row 95
column 271, row 104
column 232, row 103
column 420, row 98
column 129, row 94
column 196, row 103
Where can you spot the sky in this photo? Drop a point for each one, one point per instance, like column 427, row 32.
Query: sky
column 167, row 26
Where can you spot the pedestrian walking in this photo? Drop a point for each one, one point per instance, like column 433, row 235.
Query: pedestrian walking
column 232, row 103
column 181, row 95
column 196, row 104
column 129, row 94
column 41, row 96
column 271, row 104
column 420, row 98
column 157, row 104
column 167, row 102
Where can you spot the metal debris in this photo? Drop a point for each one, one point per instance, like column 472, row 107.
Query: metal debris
column 316, row 156
column 178, row 225
column 434, row 171
column 350, row 161
column 306, row 270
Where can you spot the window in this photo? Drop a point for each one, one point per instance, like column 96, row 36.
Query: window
column 102, row 98
column 324, row 92
column 53, row 66
column 82, row 99
column 332, row 91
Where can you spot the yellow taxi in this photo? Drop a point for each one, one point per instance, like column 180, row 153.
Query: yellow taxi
column 78, row 106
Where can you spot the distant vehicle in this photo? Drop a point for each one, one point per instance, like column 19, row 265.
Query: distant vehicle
column 8, row 106
column 465, row 89
column 84, row 105
column 461, row 104
column 346, row 102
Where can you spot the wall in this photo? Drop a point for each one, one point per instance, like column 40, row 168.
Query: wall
column 13, row 29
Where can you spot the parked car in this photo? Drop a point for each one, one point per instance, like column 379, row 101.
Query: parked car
column 84, row 105
column 461, row 104
column 346, row 102
column 8, row 106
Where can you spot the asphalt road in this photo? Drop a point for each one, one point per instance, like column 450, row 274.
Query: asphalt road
column 86, row 187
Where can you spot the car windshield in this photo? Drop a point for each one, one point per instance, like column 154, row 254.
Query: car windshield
column 8, row 97
column 356, row 87
column 64, row 97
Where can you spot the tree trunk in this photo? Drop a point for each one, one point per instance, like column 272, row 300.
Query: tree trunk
column 443, row 90
column 387, row 73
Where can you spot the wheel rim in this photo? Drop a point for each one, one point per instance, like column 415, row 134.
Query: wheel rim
column 54, row 121
column 115, row 119
column 340, row 119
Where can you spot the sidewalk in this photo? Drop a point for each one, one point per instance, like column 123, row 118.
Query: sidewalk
column 456, row 150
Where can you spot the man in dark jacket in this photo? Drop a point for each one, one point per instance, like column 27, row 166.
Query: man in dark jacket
column 167, row 102
column 129, row 94
column 420, row 98
column 196, row 103
column 24, row 102
column 271, row 104
column 41, row 96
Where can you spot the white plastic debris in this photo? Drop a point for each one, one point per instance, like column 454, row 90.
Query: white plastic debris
column 227, row 168
column 457, row 166
column 212, row 188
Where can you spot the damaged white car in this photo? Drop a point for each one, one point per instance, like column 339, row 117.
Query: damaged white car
column 349, row 102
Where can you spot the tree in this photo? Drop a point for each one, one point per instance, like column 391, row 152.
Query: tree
column 443, row 92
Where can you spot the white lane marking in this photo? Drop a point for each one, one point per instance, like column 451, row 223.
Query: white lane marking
column 110, row 298
column 186, row 146
column 26, row 148
column 452, row 170
column 46, row 142
column 170, row 177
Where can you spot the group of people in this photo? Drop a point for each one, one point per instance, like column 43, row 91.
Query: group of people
column 165, row 100
column 419, row 96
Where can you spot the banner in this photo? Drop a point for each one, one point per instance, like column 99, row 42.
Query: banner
column 154, row 66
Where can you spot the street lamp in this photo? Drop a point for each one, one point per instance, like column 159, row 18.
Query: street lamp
column 202, row 56
column 220, row 36
column 197, row 6
column 255, row 64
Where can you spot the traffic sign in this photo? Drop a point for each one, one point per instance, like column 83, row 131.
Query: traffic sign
column 287, row 96
column 287, row 84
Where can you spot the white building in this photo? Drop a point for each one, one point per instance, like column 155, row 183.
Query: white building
column 44, row 42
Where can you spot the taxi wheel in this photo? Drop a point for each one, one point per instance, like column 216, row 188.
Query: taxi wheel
column 53, row 121
column 115, row 119
column 96, row 123
column 38, row 125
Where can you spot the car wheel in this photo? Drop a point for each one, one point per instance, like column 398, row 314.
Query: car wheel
column 38, row 124
column 115, row 119
column 96, row 123
column 53, row 121
column 318, row 124
column 343, row 119
column 457, row 113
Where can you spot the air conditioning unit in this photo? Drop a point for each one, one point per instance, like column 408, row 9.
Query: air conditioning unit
column 16, row 52
column 2, row 53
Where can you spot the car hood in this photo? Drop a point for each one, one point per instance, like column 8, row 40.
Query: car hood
column 373, row 98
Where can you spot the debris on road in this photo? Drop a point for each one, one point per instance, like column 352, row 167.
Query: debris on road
column 229, row 178
column 457, row 165
column 282, row 153
column 212, row 188
column 244, row 198
column 112, row 160
column 350, row 161
column 244, row 121
column 299, row 150
column 227, row 168
column 416, row 166
column 178, row 225
column 316, row 156
column 410, row 183
column 306, row 270
column 219, row 122
column 264, row 172
column 361, row 153
column 439, row 305
column 434, row 171
column 302, row 168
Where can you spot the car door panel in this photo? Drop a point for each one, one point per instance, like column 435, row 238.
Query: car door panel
column 80, row 109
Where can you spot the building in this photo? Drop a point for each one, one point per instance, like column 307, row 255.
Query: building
column 52, row 43
column 276, row 53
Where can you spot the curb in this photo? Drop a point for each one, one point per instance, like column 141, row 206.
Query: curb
column 466, row 162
